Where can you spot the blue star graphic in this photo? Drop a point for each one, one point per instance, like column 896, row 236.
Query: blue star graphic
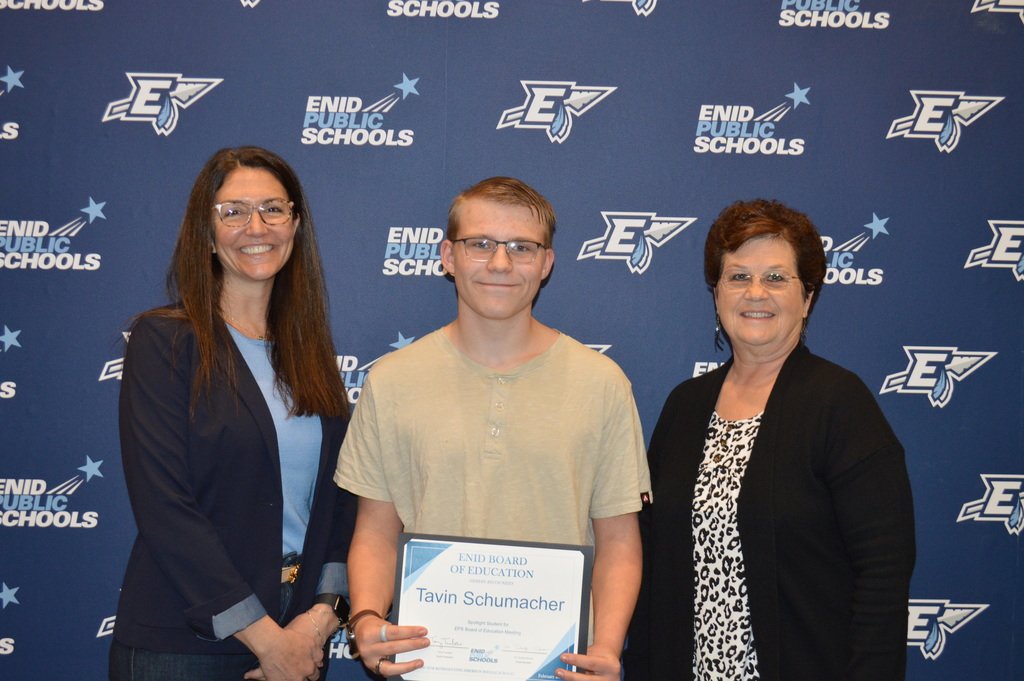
column 12, row 79
column 7, row 594
column 10, row 338
column 402, row 341
column 91, row 468
column 94, row 210
column 877, row 225
column 408, row 87
column 799, row 95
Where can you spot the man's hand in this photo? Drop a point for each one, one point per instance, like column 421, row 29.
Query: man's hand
column 377, row 640
column 597, row 663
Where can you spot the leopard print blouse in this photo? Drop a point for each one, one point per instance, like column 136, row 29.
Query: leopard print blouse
column 723, row 641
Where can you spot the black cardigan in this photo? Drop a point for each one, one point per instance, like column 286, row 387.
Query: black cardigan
column 826, row 524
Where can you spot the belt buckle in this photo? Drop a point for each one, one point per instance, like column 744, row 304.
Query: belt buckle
column 289, row 574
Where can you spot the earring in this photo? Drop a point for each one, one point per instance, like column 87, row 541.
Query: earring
column 803, row 332
column 213, row 249
column 718, row 333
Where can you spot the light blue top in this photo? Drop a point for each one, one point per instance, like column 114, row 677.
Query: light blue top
column 298, row 442
column 299, row 439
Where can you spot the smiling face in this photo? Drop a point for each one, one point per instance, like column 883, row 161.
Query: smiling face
column 252, row 255
column 497, row 289
column 762, row 324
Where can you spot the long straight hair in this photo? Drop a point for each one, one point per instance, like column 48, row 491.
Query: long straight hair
column 298, row 329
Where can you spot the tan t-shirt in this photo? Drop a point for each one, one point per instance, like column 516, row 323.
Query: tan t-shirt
column 532, row 454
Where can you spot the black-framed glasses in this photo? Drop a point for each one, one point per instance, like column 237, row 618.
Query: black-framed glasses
column 480, row 249
column 239, row 213
column 770, row 281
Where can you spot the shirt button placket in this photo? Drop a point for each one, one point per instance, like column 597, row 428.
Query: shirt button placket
column 496, row 415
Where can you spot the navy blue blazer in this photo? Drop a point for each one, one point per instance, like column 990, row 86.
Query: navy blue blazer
column 206, row 495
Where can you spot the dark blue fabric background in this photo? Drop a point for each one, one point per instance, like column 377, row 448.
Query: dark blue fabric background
column 631, row 152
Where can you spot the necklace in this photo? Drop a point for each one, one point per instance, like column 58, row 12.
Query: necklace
column 238, row 327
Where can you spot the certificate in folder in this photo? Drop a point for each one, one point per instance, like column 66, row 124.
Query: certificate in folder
column 493, row 609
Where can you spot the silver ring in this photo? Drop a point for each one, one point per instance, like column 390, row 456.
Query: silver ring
column 376, row 669
column 384, row 633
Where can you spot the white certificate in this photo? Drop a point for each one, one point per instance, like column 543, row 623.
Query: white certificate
column 492, row 609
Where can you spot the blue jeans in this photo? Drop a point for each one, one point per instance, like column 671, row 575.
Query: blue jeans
column 138, row 664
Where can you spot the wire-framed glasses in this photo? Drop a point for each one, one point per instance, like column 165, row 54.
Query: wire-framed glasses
column 772, row 280
column 480, row 249
column 239, row 213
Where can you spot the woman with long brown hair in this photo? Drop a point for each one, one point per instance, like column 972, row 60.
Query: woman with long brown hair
column 231, row 414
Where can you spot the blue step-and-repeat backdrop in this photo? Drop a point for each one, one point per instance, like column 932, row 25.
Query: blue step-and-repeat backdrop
column 897, row 125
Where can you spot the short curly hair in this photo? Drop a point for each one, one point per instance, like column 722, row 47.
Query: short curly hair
column 745, row 220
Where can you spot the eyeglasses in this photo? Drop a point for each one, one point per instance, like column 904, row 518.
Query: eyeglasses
column 770, row 281
column 480, row 249
column 239, row 213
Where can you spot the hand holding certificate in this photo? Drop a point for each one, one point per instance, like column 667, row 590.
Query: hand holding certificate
column 504, row 610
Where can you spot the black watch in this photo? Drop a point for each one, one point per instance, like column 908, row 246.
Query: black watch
column 337, row 603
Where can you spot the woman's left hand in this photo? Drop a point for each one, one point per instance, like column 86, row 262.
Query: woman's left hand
column 302, row 626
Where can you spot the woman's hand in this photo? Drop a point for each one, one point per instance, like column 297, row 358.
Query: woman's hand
column 289, row 654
